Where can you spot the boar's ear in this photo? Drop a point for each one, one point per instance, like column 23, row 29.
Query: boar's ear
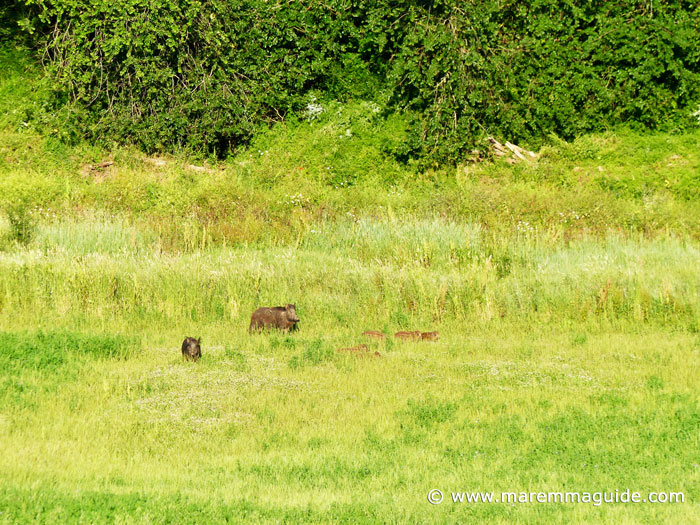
column 199, row 339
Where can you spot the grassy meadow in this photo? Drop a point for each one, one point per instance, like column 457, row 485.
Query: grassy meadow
column 566, row 292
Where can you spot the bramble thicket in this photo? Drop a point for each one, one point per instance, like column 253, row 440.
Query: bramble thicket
column 206, row 76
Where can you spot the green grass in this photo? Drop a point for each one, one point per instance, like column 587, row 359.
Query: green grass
column 567, row 298
column 343, row 440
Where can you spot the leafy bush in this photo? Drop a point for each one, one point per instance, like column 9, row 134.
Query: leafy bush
column 15, row 25
column 521, row 71
column 169, row 74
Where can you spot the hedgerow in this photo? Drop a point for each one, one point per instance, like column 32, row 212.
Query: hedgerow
column 169, row 74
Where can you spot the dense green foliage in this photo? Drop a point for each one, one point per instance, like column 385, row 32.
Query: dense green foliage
column 15, row 25
column 168, row 74
column 521, row 70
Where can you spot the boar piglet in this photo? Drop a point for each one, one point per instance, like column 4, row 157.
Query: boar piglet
column 429, row 336
column 408, row 336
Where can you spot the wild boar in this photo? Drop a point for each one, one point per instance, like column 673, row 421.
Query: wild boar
column 374, row 334
column 191, row 349
column 429, row 336
column 408, row 336
column 354, row 349
column 280, row 317
column 358, row 351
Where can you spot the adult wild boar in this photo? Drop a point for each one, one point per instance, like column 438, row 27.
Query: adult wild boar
column 280, row 317
column 191, row 349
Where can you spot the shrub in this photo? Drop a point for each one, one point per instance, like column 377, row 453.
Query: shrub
column 522, row 71
column 169, row 74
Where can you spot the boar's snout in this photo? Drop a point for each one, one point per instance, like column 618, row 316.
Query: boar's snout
column 292, row 313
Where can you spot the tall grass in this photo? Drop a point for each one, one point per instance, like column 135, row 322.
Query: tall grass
column 357, row 273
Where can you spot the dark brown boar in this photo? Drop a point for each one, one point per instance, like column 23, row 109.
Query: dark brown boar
column 374, row 334
column 408, row 336
column 280, row 317
column 429, row 336
column 191, row 349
